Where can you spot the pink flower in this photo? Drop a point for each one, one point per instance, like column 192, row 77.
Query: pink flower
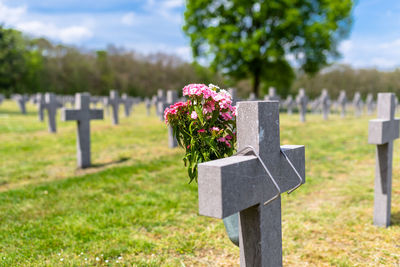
column 228, row 137
column 226, row 116
column 188, row 147
column 193, row 115
column 215, row 129
column 201, row 131
column 221, row 139
column 227, row 144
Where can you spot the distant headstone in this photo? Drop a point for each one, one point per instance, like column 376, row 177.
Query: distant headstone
column 40, row 103
column 21, row 101
column 127, row 101
column 161, row 99
column 172, row 97
column 51, row 105
column 357, row 104
column 82, row 114
column 1, row 98
column 382, row 132
column 241, row 183
column 252, row 96
column 233, row 93
column 342, row 102
column 302, row 101
column 370, row 103
column 114, row 101
column 325, row 103
column 272, row 95
column 106, row 105
column 147, row 102
column 289, row 104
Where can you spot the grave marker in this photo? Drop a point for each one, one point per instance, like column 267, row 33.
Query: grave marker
column 272, row 95
column 241, row 184
column 325, row 103
column 51, row 105
column 289, row 104
column 370, row 103
column 21, row 101
column 358, row 104
column 302, row 101
column 342, row 101
column 82, row 115
column 40, row 103
column 172, row 97
column 382, row 132
column 114, row 102
column 127, row 101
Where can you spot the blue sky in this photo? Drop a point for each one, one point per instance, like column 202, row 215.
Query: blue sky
column 155, row 25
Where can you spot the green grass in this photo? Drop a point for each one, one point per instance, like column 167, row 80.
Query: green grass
column 135, row 208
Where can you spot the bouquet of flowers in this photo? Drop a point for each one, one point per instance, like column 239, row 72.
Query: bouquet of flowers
column 204, row 125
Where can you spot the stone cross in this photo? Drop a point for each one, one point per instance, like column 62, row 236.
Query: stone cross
column 382, row 132
column 82, row 115
column 39, row 101
column 357, row 103
column 114, row 101
column 370, row 103
column 252, row 96
column 272, row 95
column 302, row 101
column 1, row 98
column 127, row 101
column 51, row 105
column 21, row 101
column 241, row 184
column 325, row 103
column 161, row 98
column 289, row 104
column 172, row 97
column 147, row 102
column 233, row 93
column 342, row 101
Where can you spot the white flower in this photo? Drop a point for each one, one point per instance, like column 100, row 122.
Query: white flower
column 61, row 259
column 120, row 258
column 106, row 261
column 97, row 259
column 212, row 86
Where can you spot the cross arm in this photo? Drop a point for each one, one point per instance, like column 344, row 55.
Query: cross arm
column 96, row 114
column 229, row 185
column 382, row 131
column 70, row 114
column 288, row 177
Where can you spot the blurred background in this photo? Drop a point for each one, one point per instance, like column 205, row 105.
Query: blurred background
column 139, row 46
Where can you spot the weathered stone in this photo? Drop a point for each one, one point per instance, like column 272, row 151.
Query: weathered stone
column 172, row 97
column 128, row 102
column 82, row 115
column 325, row 103
column 240, row 183
column 342, row 102
column 357, row 104
column 114, row 101
column 21, row 101
column 51, row 105
column 382, row 132
column 272, row 95
column 252, row 97
column 302, row 101
column 289, row 104
column 370, row 104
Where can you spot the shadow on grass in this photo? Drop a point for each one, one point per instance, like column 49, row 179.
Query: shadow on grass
column 100, row 165
column 395, row 218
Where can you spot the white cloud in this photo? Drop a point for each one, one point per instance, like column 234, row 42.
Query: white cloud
column 19, row 18
column 128, row 19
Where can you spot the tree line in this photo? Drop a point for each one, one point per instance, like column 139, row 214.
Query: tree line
column 30, row 65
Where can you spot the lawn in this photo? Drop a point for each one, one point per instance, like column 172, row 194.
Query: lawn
column 135, row 207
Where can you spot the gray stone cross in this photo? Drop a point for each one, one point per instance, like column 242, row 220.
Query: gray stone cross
column 172, row 97
column 114, row 101
column 241, row 184
column 302, row 101
column 342, row 101
column 51, row 105
column 358, row 104
column 127, row 101
column 161, row 98
column 82, row 114
column 272, row 95
column 21, row 101
column 370, row 103
column 289, row 104
column 39, row 101
column 325, row 103
column 382, row 132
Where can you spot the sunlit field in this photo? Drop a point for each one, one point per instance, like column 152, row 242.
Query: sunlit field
column 134, row 207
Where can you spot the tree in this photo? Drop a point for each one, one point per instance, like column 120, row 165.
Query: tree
column 263, row 39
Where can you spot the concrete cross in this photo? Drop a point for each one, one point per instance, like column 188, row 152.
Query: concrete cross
column 147, row 102
column 51, row 105
column 127, row 101
column 114, row 101
column 289, row 104
column 370, row 103
column 325, row 103
column 241, row 184
column 272, row 95
column 252, row 96
column 302, row 101
column 82, row 115
column 161, row 98
column 358, row 104
column 21, row 101
column 342, row 101
column 1, row 98
column 40, row 103
column 233, row 93
column 172, row 97
column 382, row 132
